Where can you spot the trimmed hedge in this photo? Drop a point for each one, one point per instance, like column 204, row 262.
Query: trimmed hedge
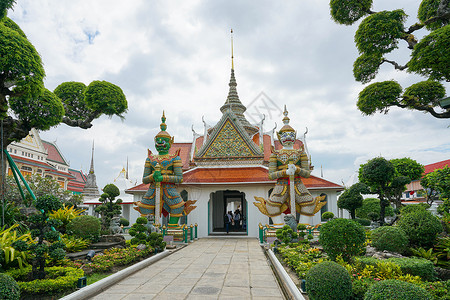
column 390, row 238
column 408, row 265
column 342, row 237
column 416, row 267
column 421, row 227
column 59, row 279
column 86, row 227
column 372, row 205
column 363, row 222
column 9, row 289
column 328, row 281
column 395, row 289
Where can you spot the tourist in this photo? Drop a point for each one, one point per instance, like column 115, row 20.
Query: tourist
column 227, row 221
column 237, row 219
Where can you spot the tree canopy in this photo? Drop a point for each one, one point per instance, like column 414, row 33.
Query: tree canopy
column 379, row 33
column 387, row 179
column 24, row 101
column 437, row 184
column 351, row 198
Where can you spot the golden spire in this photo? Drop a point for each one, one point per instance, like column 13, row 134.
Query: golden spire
column 232, row 63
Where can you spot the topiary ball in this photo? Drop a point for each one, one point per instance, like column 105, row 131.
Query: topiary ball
column 396, row 289
column 328, row 281
column 421, row 227
column 390, row 238
column 342, row 237
column 9, row 289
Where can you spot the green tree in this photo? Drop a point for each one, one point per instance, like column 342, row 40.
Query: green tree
column 351, row 198
column 406, row 170
column 40, row 186
column 24, row 101
column 437, row 185
column 379, row 34
column 48, row 240
column 110, row 207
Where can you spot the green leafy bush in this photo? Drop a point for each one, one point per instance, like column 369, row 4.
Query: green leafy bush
column 86, row 227
column 301, row 258
column 9, row 289
column 416, row 267
column 439, row 290
column 286, row 234
column 390, row 238
column 342, row 237
column 421, row 227
column 328, row 280
column 156, row 241
column 58, row 279
column 9, row 255
column 407, row 209
column 138, row 231
column 124, row 222
column 372, row 205
column 327, row 215
column 73, row 243
column 363, row 222
column 396, row 289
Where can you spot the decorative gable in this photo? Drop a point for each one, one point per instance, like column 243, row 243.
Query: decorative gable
column 229, row 140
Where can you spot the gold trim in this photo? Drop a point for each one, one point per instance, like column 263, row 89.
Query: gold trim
column 147, row 206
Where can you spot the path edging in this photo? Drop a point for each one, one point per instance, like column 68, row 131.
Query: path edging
column 99, row 286
column 283, row 277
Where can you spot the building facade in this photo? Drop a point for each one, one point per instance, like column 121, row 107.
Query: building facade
column 227, row 166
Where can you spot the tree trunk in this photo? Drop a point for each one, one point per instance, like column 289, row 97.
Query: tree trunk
column 383, row 204
column 353, row 214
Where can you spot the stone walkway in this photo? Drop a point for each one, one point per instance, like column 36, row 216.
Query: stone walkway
column 210, row 268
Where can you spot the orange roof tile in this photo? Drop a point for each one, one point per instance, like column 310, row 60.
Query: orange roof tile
column 53, row 153
column 185, row 151
column 240, row 175
column 439, row 165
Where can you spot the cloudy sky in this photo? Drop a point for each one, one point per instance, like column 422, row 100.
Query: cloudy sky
column 175, row 56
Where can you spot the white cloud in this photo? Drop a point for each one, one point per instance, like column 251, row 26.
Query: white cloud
column 175, row 56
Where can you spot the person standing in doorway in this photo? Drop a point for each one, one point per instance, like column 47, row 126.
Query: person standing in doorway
column 227, row 221
column 237, row 219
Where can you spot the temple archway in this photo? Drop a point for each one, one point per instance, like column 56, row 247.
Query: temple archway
column 222, row 202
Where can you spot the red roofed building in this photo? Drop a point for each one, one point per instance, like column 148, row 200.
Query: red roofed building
column 35, row 156
column 227, row 166
column 411, row 195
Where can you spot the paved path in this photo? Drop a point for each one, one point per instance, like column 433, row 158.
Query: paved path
column 210, row 268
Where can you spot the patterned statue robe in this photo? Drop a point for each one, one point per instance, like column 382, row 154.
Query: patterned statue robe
column 171, row 201
column 280, row 196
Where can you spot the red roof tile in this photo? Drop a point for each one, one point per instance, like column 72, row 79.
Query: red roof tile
column 53, row 153
column 185, row 151
column 240, row 175
column 439, row 165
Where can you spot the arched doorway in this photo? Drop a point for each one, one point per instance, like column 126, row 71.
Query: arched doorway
column 222, row 202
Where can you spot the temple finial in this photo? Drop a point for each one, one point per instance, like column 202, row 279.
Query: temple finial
column 232, row 62
column 91, row 170
column 163, row 125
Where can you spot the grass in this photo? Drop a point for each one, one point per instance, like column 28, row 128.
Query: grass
column 94, row 277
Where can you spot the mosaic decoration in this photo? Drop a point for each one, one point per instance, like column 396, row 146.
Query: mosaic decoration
column 228, row 143
column 288, row 166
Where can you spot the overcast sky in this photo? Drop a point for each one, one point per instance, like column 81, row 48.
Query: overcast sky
column 175, row 56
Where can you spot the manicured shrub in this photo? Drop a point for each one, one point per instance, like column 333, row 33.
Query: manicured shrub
column 396, row 289
column 416, row 267
column 390, row 238
column 156, row 241
column 328, row 281
column 9, row 289
column 372, row 205
column 439, row 290
column 138, row 231
column 286, row 234
column 421, row 227
column 327, row 215
column 124, row 222
column 407, row 209
column 58, row 279
column 363, row 222
column 342, row 237
column 86, row 227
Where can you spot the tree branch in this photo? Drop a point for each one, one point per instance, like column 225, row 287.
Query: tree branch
column 396, row 65
column 84, row 124
column 425, row 108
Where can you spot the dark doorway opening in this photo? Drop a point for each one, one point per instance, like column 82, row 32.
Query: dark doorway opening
column 226, row 201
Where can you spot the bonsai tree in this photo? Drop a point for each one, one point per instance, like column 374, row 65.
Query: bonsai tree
column 110, row 207
column 48, row 239
column 379, row 34
column 138, row 231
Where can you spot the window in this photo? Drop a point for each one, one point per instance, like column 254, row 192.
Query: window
column 26, row 168
column 48, row 176
column 39, row 171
